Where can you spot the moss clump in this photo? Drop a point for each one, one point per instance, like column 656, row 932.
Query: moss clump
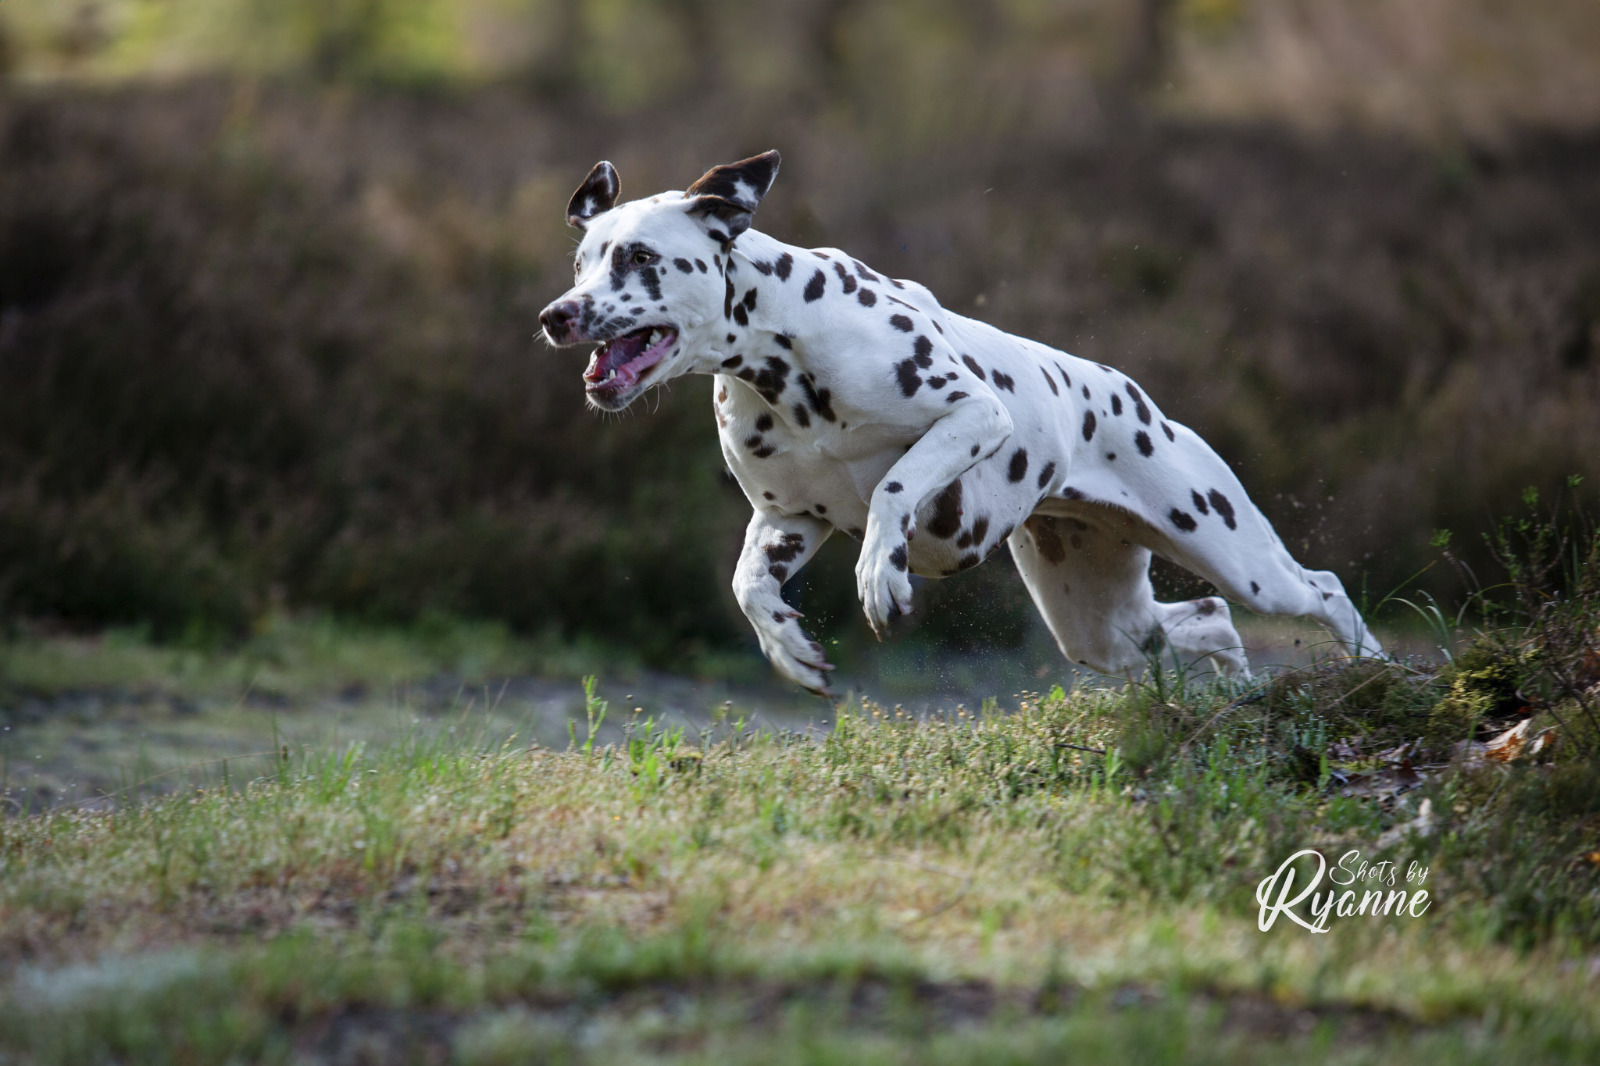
column 1481, row 685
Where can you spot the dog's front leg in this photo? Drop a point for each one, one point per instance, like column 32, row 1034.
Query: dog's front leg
column 775, row 548
column 972, row 429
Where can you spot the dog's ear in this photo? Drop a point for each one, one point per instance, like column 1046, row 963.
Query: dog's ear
column 731, row 193
column 597, row 195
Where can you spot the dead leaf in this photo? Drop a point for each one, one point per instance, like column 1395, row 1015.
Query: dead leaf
column 1508, row 745
column 1545, row 741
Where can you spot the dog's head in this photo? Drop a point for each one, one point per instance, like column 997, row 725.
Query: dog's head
column 647, row 287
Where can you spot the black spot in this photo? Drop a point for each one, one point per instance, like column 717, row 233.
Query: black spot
column 727, row 298
column 716, row 261
column 1018, row 468
column 980, row 529
column 1224, row 508
column 821, row 400
column 905, row 372
column 782, row 267
column 740, row 315
column 764, row 268
column 769, row 496
column 946, row 520
column 750, row 300
column 772, row 379
column 1182, row 520
column 923, row 348
column 779, row 617
column 1111, row 457
column 782, row 340
column 1064, row 376
column 786, row 548
column 746, row 374
column 1086, row 392
column 732, row 361
column 896, row 284
column 652, row 281
column 1255, row 589
column 1116, row 404
column 822, row 508
column 732, row 338
column 1168, row 431
column 684, row 265
column 717, row 235
column 972, row 365
column 763, row 451
column 764, row 423
column 1199, row 501
column 954, row 396
column 1088, row 425
column 939, row 382
column 901, row 323
column 867, row 297
column 1107, row 369
column 1070, row 493
column 866, row 275
column 1046, row 474
column 815, row 287
column 1140, row 408
column 974, row 449
column 1050, row 381
column 965, row 540
column 1142, row 439
column 969, row 560
column 781, row 573
column 846, row 279
column 754, row 440
column 897, row 558
column 894, row 486
column 1003, row 380
column 700, row 265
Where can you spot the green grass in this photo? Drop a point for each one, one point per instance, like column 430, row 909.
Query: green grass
column 1077, row 878
column 950, row 889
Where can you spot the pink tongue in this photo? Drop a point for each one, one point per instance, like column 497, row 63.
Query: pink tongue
column 614, row 355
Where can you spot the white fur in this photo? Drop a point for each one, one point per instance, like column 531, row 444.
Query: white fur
column 850, row 443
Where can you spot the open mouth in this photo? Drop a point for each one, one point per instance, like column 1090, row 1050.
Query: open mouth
column 618, row 364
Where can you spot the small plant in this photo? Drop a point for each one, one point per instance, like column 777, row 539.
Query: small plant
column 594, row 713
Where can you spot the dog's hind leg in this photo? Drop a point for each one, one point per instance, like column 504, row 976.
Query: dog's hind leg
column 1092, row 586
column 775, row 548
column 1191, row 509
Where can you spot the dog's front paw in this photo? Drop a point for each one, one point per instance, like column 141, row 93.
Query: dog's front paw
column 883, row 582
column 793, row 653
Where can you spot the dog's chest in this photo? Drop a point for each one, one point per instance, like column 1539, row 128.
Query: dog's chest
column 827, row 467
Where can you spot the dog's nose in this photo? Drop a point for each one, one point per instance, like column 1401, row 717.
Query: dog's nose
column 557, row 319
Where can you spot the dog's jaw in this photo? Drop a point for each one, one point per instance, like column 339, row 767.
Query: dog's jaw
column 624, row 367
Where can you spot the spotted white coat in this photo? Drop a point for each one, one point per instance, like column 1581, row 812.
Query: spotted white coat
column 848, row 400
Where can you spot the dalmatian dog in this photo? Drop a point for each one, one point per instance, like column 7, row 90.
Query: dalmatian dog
column 849, row 400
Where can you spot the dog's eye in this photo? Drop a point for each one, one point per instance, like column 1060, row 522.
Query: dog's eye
column 642, row 258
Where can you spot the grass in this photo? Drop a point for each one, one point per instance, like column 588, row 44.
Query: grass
column 943, row 889
column 1080, row 876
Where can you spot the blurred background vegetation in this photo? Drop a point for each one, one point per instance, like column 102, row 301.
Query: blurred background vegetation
column 270, row 271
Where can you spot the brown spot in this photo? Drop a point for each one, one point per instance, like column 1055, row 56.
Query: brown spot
column 1046, row 538
column 946, row 520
